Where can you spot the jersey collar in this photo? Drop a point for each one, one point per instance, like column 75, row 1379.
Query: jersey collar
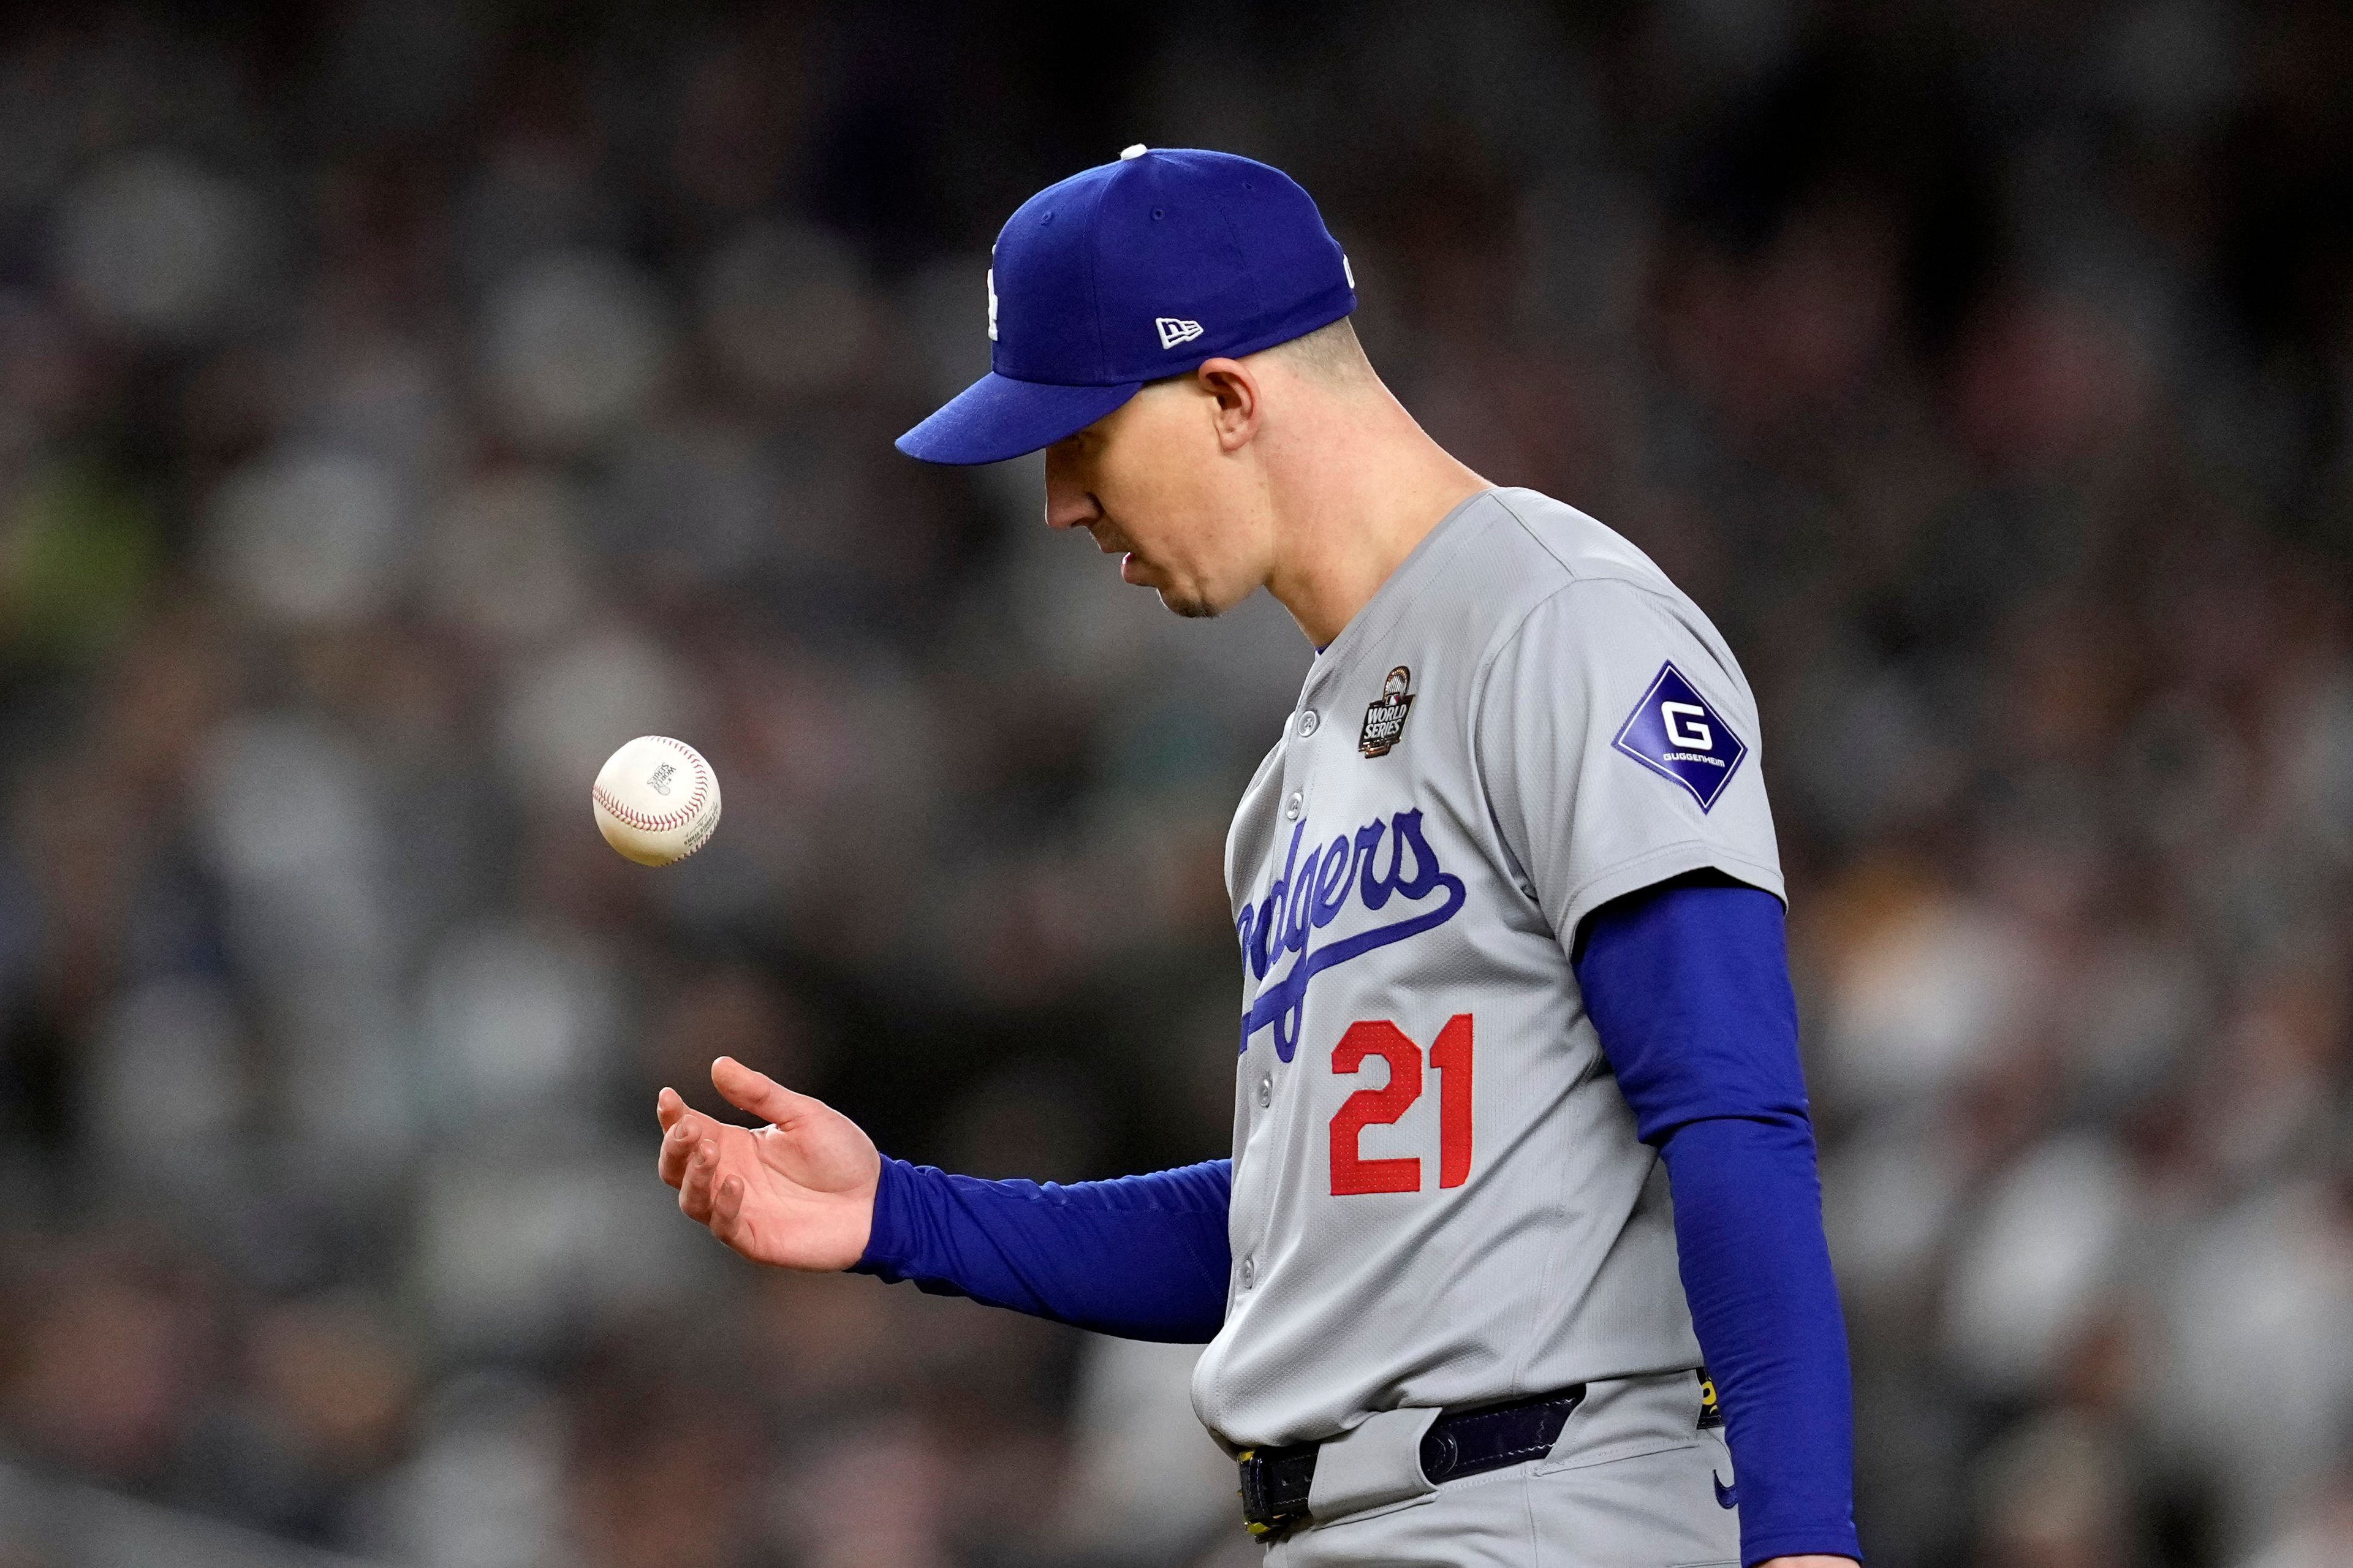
column 1394, row 599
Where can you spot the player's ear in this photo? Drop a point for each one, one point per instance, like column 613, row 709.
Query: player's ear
column 1232, row 400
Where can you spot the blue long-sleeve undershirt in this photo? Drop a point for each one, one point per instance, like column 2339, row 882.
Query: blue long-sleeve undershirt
column 1687, row 983
column 1688, row 986
column 1144, row 1258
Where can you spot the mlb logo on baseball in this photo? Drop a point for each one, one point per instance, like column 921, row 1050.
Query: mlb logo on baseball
column 636, row 809
column 1175, row 330
column 1673, row 733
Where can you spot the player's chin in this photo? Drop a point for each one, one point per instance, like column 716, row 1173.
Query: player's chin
column 1191, row 604
column 1194, row 601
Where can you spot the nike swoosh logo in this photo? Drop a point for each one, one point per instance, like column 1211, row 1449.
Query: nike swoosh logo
column 1725, row 1496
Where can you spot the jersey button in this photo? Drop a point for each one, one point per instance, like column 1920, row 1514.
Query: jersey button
column 1266, row 1091
column 1250, row 1271
column 1307, row 722
column 1291, row 806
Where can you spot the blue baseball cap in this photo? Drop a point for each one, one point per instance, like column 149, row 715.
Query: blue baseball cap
column 1129, row 272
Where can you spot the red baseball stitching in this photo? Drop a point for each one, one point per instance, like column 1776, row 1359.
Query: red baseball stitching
column 669, row 820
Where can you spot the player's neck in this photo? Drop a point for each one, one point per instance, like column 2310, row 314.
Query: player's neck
column 1363, row 484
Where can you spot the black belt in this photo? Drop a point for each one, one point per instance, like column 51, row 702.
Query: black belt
column 1461, row 1442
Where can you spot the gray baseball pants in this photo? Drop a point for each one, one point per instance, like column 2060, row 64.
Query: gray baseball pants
column 1631, row 1483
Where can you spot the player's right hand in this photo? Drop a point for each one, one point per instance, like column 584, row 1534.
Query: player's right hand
column 799, row 1192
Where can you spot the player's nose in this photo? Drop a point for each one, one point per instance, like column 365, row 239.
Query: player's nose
column 1068, row 502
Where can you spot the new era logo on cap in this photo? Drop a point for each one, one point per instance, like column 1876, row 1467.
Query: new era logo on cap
column 1175, row 330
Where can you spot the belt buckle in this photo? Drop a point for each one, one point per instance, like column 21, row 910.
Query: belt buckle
column 1263, row 1518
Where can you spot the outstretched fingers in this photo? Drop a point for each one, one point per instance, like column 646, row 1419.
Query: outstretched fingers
column 749, row 1090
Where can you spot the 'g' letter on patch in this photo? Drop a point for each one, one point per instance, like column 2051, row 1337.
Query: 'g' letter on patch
column 1673, row 733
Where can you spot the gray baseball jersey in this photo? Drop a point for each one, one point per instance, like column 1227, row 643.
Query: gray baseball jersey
column 1438, row 1196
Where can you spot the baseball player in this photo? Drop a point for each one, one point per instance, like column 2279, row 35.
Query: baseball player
column 1520, row 1244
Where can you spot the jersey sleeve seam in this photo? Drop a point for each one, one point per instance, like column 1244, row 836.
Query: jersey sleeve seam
column 1511, row 633
column 1657, row 864
column 1540, row 542
column 1536, row 538
column 1662, row 591
column 1518, row 627
column 1479, row 680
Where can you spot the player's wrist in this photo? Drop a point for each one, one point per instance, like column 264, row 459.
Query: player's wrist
column 889, row 1238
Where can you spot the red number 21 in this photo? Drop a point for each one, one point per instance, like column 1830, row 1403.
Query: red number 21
column 1451, row 1055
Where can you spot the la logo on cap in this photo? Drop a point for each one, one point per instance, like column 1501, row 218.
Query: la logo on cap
column 1175, row 330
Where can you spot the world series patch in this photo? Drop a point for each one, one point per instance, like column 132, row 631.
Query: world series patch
column 1385, row 720
column 1673, row 733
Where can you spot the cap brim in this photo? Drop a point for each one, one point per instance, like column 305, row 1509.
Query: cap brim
column 998, row 417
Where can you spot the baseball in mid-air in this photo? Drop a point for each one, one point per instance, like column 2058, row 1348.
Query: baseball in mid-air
column 655, row 800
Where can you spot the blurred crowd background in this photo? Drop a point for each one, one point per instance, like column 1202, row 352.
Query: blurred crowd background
column 402, row 404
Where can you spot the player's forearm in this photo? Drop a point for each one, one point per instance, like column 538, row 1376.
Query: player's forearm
column 1144, row 1258
column 1765, row 1305
column 1688, row 986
